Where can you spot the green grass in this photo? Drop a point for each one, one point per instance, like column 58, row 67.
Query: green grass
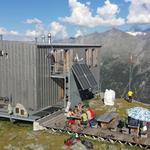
column 20, row 135
column 120, row 106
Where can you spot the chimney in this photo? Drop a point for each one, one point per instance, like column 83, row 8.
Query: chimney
column 49, row 38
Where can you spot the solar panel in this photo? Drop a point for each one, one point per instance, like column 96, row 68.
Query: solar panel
column 84, row 76
column 89, row 75
column 41, row 114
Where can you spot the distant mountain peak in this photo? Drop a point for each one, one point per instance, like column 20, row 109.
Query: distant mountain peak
column 115, row 31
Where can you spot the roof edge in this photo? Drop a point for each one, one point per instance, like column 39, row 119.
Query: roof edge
column 67, row 45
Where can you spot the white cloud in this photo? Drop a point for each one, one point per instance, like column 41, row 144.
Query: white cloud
column 82, row 15
column 4, row 31
column 34, row 33
column 139, row 11
column 109, row 13
column 31, row 33
column 39, row 28
column 12, row 32
column 13, row 35
column 33, row 21
column 57, row 30
column 108, row 10
column 78, row 33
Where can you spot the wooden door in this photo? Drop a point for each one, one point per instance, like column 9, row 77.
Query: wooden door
column 61, row 89
column 68, row 59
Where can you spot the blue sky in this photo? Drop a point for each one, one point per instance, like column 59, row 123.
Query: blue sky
column 26, row 19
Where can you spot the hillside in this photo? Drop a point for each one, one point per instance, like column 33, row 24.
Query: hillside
column 117, row 49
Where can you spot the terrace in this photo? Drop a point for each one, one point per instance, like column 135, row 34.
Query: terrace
column 57, row 122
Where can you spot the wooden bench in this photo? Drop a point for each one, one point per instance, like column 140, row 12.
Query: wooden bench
column 134, row 130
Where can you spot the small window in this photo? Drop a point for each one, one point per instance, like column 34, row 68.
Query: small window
column 91, row 57
column 94, row 57
column 17, row 110
column 87, row 57
column 22, row 112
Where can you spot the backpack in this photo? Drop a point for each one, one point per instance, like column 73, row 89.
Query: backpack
column 87, row 144
column 70, row 141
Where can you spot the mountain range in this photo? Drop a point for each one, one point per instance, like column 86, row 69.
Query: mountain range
column 125, row 61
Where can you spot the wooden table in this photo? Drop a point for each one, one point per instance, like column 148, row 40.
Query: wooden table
column 106, row 119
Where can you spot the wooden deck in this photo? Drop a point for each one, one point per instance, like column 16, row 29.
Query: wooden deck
column 41, row 115
column 13, row 117
column 57, row 121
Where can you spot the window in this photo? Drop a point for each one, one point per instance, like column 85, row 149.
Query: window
column 59, row 56
column 87, row 57
column 91, row 57
column 17, row 110
column 22, row 112
column 94, row 57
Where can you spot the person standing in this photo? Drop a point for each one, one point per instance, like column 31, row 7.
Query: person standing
column 130, row 95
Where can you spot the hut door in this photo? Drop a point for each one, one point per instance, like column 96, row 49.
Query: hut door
column 61, row 89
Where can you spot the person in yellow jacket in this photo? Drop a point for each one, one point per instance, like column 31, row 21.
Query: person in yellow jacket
column 130, row 95
column 84, row 118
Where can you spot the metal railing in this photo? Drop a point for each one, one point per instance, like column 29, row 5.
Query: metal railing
column 57, row 68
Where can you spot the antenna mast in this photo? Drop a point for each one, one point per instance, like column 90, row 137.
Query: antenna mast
column 130, row 69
